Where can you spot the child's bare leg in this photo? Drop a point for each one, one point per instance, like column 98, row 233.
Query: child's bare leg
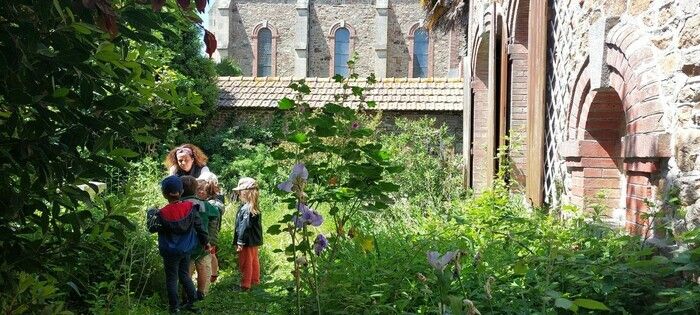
column 214, row 268
column 204, row 274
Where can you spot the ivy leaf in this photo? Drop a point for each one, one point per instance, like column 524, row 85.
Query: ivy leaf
column 357, row 91
column 338, row 78
column 304, row 89
column 591, row 304
column 372, row 79
column 371, row 104
column 285, row 104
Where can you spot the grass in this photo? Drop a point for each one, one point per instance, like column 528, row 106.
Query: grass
column 274, row 295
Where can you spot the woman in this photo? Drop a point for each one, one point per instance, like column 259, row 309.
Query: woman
column 187, row 159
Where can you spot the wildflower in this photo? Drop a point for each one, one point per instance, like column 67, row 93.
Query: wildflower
column 320, row 244
column 477, row 258
column 471, row 309
column 297, row 178
column 439, row 263
column 306, row 216
column 298, row 221
column 355, row 125
column 421, row 277
column 487, row 287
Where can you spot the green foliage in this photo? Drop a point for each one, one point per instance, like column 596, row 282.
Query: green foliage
column 228, row 68
column 34, row 296
column 78, row 101
column 431, row 179
column 198, row 75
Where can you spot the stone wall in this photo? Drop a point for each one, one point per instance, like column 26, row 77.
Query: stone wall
column 646, row 52
column 360, row 15
column 227, row 117
column 244, row 15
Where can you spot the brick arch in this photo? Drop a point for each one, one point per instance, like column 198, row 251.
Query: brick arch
column 331, row 43
column 254, row 39
column 431, row 47
column 615, row 138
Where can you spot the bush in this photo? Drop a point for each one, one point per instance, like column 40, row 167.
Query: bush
column 228, row 68
column 432, row 176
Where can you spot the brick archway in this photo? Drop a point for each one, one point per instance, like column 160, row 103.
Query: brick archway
column 616, row 139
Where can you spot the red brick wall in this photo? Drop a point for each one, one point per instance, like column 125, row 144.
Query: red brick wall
column 519, row 79
column 480, row 156
column 518, row 110
column 600, row 151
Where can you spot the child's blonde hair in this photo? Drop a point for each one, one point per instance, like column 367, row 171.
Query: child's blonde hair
column 209, row 188
column 252, row 197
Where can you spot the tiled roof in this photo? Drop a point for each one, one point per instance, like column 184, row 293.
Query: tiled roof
column 419, row 94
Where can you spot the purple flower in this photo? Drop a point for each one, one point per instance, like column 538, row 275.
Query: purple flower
column 355, row 125
column 307, row 216
column 299, row 173
column 320, row 244
column 439, row 263
column 298, row 222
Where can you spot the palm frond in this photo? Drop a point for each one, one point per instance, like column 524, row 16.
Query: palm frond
column 446, row 14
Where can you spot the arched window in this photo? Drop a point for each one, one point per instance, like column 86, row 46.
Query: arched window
column 421, row 43
column 341, row 55
column 264, row 53
column 264, row 42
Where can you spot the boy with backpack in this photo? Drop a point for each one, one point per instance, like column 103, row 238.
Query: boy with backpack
column 180, row 230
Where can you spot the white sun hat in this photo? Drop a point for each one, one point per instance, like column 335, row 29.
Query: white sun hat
column 246, row 183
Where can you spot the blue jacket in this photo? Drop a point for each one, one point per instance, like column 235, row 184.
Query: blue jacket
column 248, row 227
column 179, row 228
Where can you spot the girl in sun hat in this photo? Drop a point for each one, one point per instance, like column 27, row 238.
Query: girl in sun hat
column 248, row 235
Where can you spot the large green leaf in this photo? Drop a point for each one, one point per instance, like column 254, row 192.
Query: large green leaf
column 591, row 304
column 285, row 104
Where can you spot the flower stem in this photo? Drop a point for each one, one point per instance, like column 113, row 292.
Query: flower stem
column 296, row 271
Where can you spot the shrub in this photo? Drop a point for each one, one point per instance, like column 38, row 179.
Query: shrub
column 228, row 68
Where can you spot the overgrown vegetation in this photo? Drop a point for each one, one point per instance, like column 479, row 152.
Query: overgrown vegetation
column 86, row 86
column 82, row 103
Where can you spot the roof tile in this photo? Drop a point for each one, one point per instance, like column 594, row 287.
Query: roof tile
column 422, row 94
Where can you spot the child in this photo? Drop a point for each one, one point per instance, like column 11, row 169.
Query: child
column 248, row 235
column 201, row 258
column 208, row 189
column 179, row 231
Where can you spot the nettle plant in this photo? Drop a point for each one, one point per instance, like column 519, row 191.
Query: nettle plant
column 338, row 165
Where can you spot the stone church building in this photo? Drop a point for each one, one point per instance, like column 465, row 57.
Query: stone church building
column 419, row 72
column 591, row 96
